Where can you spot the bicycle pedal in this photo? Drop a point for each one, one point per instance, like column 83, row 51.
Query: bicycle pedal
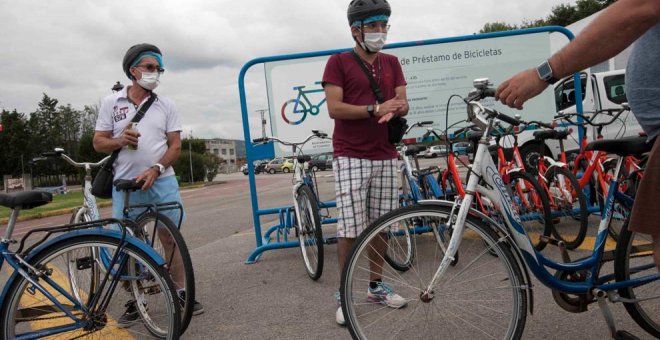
column 625, row 335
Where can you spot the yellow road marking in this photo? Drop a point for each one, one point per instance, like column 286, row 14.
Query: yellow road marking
column 39, row 299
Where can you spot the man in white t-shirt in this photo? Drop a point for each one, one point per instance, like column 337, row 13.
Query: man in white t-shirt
column 147, row 151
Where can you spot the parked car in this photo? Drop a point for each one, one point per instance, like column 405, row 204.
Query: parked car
column 436, row 151
column 320, row 162
column 287, row 165
column 274, row 165
column 460, row 148
column 258, row 167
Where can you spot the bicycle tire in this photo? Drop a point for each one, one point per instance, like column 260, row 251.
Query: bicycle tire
column 564, row 203
column 536, row 217
column 495, row 285
column 287, row 117
column 21, row 295
column 144, row 230
column 638, row 248
column 310, row 234
column 95, row 267
column 400, row 252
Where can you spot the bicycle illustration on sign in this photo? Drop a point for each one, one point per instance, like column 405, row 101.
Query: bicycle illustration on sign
column 294, row 111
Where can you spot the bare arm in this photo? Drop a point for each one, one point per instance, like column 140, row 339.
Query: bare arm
column 611, row 32
column 173, row 151
column 340, row 110
column 103, row 141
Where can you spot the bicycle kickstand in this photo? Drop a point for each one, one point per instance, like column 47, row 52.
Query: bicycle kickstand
column 607, row 313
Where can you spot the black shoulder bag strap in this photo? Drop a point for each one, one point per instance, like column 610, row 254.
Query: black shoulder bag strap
column 372, row 81
column 138, row 116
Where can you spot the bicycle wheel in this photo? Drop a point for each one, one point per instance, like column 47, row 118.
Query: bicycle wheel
column 310, row 234
column 531, row 202
column 634, row 260
column 482, row 296
column 29, row 310
column 296, row 113
column 399, row 252
column 568, row 205
column 167, row 240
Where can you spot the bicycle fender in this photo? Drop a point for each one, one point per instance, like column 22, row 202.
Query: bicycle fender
column 555, row 165
column 84, row 232
column 500, row 230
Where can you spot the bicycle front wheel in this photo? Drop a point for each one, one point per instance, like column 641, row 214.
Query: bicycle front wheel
column 634, row 260
column 167, row 240
column 309, row 231
column 28, row 310
column 480, row 297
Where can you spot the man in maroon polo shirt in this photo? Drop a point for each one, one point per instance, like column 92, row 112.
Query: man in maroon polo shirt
column 365, row 162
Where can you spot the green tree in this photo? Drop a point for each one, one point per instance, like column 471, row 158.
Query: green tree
column 212, row 164
column 196, row 145
column 69, row 122
column 182, row 166
column 497, row 27
column 14, row 146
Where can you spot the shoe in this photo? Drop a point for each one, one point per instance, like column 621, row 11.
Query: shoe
column 130, row 315
column 384, row 294
column 339, row 314
column 198, row 308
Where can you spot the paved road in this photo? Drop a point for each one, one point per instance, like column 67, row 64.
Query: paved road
column 274, row 298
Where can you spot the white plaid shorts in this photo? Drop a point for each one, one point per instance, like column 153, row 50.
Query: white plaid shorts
column 366, row 189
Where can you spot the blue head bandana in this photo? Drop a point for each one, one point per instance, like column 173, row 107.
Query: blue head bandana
column 369, row 20
column 154, row 55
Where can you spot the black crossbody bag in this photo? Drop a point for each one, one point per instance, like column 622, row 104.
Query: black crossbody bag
column 397, row 126
column 102, row 184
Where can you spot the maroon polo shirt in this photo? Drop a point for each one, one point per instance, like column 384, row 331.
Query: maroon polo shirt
column 363, row 138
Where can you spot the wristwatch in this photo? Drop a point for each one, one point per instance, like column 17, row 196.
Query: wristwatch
column 545, row 73
column 370, row 110
column 161, row 168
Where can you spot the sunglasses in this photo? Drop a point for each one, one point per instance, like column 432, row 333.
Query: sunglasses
column 151, row 67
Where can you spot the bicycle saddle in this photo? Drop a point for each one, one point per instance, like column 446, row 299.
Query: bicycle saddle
column 622, row 147
column 414, row 149
column 128, row 184
column 25, row 199
column 550, row 134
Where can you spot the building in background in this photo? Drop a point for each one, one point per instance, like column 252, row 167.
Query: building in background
column 230, row 150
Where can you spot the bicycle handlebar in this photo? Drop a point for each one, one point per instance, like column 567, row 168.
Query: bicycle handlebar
column 590, row 121
column 60, row 153
column 315, row 134
column 419, row 124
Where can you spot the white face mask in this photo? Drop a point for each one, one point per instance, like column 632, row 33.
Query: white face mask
column 149, row 80
column 374, row 42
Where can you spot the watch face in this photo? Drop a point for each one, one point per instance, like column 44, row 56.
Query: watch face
column 544, row 71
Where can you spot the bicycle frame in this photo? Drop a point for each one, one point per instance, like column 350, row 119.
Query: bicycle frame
column 22, row 268
column 496, row 190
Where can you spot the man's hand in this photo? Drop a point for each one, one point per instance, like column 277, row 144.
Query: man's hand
column 129, row 136
column 149, row 176
column 521, row 87
column 389, row 109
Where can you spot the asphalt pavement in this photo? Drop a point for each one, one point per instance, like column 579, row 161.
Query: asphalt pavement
column 274, row 298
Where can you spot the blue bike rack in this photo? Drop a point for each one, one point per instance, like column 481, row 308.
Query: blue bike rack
column 264, row 242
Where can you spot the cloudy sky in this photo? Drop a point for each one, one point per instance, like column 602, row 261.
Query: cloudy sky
column 72, row 50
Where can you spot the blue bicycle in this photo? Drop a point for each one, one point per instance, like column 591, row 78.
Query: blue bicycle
column 487, row 294
column 301, row 106
column 58, row 287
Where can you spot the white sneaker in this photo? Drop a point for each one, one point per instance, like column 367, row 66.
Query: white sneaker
column 339, row 317
column 384, row 294
column 339, row 314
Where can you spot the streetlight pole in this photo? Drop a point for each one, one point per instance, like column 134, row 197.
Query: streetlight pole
column 192, row 179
